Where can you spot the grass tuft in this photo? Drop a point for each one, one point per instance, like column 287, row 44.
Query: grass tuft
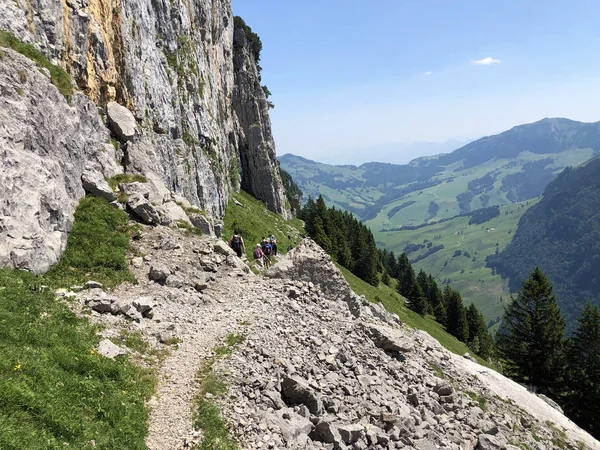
column 58, row 76
column 208, row 416
column 480, row 399
column 234, row 339
column 96, row 247
column 191, row 210
column 56, row 391
column 188, row 227
column 114, row 182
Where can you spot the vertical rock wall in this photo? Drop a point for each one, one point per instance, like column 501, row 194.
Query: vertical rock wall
column 203, row 125
column 260, row 173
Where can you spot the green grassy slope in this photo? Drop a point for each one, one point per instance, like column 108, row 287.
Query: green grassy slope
column 465, row 272
column 56, row 391
column 394, row 302
column 254, row 221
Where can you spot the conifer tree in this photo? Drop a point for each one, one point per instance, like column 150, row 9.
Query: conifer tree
column 530, row 339
column 426, row 289
column 415, row 295
column 479, row 339
column 385, row 278
column 402, row 275
column 436, row 301
column 584, row 371
column 456, row 315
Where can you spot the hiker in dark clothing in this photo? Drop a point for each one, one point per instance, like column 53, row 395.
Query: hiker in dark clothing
column 264, row 241
column 267, row 252
column 273, row 243
column 259, row 256
column 237, row 243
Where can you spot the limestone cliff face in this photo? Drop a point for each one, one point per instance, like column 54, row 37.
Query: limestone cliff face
column 202, row 120
column 256, row 145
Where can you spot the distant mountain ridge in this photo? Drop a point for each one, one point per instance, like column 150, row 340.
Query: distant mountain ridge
column 505, row 168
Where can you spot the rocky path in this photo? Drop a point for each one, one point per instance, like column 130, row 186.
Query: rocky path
column 172, row 406
column 191, row 290
column 320, row 367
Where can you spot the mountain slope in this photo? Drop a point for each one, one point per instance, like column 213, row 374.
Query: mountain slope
column 561, row 235
column 455, row 252
column 506, row 168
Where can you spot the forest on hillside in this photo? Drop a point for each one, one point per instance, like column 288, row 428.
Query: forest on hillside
column 561, row 235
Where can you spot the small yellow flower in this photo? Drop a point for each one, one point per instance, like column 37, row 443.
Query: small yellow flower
column 18, row 366
column 92, row 352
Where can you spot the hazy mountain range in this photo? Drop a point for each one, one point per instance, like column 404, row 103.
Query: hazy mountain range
column 424, row 207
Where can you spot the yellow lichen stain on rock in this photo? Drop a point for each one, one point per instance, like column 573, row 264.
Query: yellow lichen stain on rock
column 104, row 78
column 30, row 14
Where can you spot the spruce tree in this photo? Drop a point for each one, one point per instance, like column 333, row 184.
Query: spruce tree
column 426, row 289
column 530, row 339
column 410, row 289
column 479, row 339
column 385, row 278
column 584, row 371
column 456, row 315
column 435, row 300
column 402, row 275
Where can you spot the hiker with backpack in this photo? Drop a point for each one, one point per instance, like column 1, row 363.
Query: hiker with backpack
column 273, row 243
column 267, row 251
column 259, row 256
column 237, row 243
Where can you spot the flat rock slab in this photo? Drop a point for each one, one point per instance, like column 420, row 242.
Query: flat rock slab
column 109, row 350
column 121, row 121
column 389, row 339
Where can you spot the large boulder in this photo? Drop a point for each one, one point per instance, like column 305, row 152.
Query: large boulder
column 202, row 222
column 308, row 262
column 171, row 212
column 389, row 339
column 223, row 248
column 329, row 434
column 121, row 121
column 287, row 422
column 295, row 391
column 143, row 209
column 351, row 433
column 94, row 183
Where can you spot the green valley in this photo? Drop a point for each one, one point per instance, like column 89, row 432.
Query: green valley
column 506, row 168
column 424, row 207
column 455, row 253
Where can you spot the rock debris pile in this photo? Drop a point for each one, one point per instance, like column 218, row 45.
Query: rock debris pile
column 327, row 369
column 320, row 367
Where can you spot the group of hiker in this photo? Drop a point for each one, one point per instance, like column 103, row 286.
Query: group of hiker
column 263, row 251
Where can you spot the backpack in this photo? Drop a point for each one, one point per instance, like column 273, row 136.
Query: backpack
column 257, row 253
column 272, row 240
column 236, row 242
column 267, row 249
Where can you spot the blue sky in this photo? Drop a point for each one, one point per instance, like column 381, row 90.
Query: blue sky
column 350, row 78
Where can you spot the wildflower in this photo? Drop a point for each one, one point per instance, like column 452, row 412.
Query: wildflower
column 18, row 366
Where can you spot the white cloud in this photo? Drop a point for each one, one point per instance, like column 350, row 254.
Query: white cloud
column 485, row 61
column 427, row 73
